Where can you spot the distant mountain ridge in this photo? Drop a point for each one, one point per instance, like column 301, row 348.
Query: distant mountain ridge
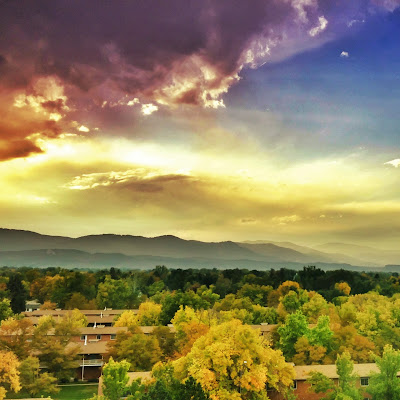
column 28, row 248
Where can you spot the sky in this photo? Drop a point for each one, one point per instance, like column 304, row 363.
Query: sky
column 211, row 120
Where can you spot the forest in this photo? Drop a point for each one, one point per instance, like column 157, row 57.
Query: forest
column 316, row 317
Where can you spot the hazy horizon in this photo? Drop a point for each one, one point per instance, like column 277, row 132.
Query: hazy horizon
column 208, row 120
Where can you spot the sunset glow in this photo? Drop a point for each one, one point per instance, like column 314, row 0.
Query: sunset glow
column 207, row 120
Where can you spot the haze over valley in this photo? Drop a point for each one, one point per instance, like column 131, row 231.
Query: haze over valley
column 24, row 248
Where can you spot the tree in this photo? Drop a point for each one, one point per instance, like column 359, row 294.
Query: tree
column 167, row 387
column 48, row 305
column 385, row 385
column 35, row 382
column 44, row 288
column 9, row 375
column 346, row 388
column 127, row 318
column 257, row 293
column 343, row 287
column 359, row 347
column 113, row 293
column 53, row 341
column 14, row 336
column 166, row 341
column 115, row 379
column 203, row 299
column 307, row 354
column 149, row 313
column 232, row 358
column 314, row 308
column 79, row 301
column 142, row 351
column 17, row 292
column 188, row 335
column 294, row 328
column 5, row 309
column 321, row 334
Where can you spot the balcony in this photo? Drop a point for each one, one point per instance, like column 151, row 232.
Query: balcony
column 91, row 363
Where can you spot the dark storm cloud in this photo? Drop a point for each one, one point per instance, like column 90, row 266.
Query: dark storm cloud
column 17, row 148
column 54, row 105
column 165, row 52
column 86, row 43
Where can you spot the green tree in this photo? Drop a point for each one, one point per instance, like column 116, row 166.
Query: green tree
column 115, row 379
column 321, row 334
column 385, row 385
column 166, row 340
column 17, row 292
column 167, row 386
column 294, row 328
column 113, row 293
column 35, row 382
column 346, row 388
column 257, row 293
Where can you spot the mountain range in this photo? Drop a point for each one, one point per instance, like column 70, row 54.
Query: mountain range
column 25, row 248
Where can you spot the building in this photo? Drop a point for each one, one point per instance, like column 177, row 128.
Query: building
column 302, row 373
column 104, row 317
column 93, row 343
column 32, row 305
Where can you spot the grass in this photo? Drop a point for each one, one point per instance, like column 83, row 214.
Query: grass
column 68, row 392
column 76, row 392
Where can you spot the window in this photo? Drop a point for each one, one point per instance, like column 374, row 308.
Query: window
column 113, row 336
column 98, row 337
column 83, row 337
column 294, row 386
column 364, row 381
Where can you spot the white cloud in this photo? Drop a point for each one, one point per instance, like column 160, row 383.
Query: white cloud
column 344, row 54
column 83, row 128
column 132, row 102
column 301, row 5
column 287, row 219
column 395, row 163
column 323, row 23
column 45, row 90
column 148, row 109
column 355, row 21
column 389, row 5
column 90, row 181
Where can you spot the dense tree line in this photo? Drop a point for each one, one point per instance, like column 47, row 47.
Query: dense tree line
column 128, row 288
column 317, row 316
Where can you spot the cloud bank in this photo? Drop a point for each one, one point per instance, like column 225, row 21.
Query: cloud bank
column 62, row 61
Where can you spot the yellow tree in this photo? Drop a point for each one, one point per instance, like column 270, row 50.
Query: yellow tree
column 9, row 375
column 15, row 335
column 127, row 318
column 52, row 340
column 343, row 287
column 233, row 362
column 149, row 313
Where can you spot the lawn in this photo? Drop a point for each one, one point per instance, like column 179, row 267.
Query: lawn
column 76, row 392
column 69, row 392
